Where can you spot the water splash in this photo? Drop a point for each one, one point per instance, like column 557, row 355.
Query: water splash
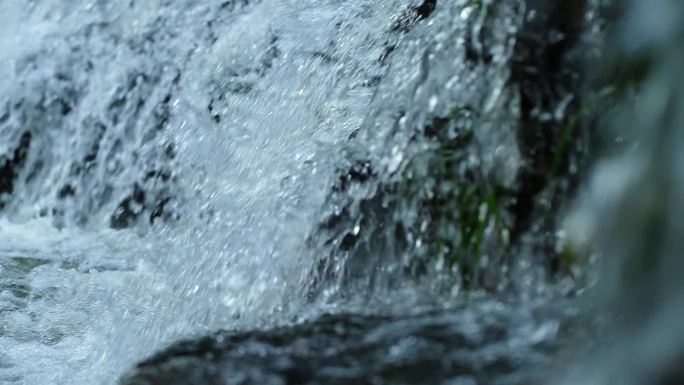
column 213, row 128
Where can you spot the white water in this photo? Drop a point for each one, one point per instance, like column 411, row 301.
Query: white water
column 248, row 177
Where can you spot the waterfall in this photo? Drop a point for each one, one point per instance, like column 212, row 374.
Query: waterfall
column 366, row 170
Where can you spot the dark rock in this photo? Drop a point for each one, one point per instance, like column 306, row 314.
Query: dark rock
column 10, row 166
column 431, row 349
column 412, row 15
column 546, row 69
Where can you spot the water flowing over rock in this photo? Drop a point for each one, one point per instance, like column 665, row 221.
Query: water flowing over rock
column 340, row 192
column 477, row 135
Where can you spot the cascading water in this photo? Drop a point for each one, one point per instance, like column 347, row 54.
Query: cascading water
column 170, row 169
column 224, row 117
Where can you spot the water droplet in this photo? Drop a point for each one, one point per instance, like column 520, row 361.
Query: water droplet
column 433, row 102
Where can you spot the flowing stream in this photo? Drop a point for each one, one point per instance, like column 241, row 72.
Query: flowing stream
column 173, row 168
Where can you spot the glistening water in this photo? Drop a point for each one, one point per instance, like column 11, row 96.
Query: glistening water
column 330, row 191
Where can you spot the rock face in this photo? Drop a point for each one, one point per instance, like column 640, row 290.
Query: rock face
column 490, row 343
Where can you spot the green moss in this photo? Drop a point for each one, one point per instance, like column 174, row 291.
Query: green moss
column 461, row 210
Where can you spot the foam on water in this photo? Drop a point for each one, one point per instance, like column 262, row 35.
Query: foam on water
column 68, row 299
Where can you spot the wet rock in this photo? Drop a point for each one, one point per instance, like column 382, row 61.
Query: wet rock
column 10, row 166
column 547, row 69
column 481, row 345
column 413, row 14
